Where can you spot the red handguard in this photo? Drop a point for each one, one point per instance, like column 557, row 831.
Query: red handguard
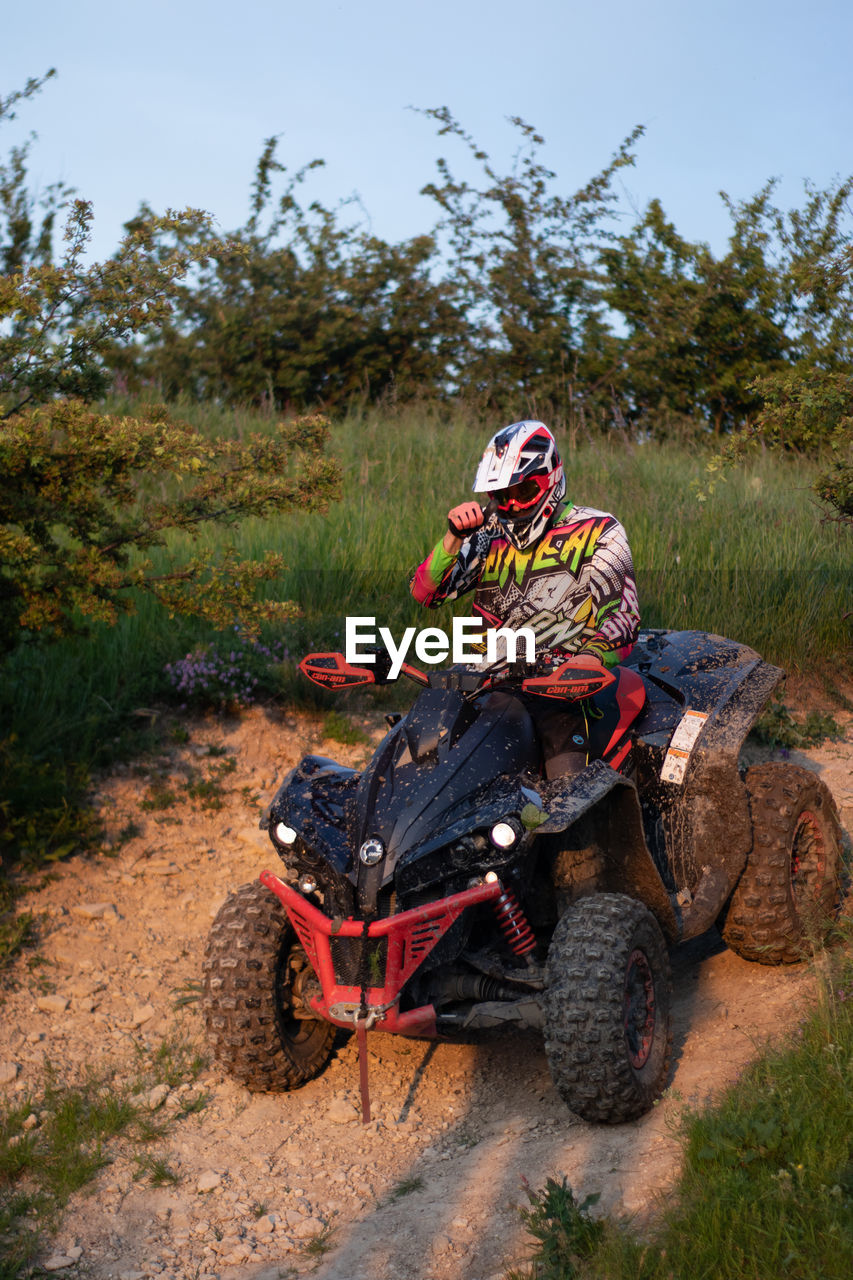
column 332, row 671
column 580, row 677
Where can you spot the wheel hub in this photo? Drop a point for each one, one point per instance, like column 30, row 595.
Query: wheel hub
column 639, row 1018
column 807, row 857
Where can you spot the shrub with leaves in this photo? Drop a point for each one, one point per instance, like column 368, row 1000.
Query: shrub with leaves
column 88, row 496
column 566, row 1234
column 80, row 514
column 776, row 727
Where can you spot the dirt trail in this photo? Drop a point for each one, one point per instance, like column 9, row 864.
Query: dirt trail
column 431, row 1188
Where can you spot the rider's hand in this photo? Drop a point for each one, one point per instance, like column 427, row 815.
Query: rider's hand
column 463, row 519
column 585, row 660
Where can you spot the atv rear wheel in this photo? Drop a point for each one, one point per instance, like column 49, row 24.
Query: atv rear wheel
column 607, row 1008
column 253, row 964
column 789, row 889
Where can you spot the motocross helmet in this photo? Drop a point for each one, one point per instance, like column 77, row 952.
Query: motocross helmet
column 522, row 472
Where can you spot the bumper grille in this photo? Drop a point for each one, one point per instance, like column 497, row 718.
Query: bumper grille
column 347, row 963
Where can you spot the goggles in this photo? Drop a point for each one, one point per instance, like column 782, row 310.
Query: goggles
column 522, row 496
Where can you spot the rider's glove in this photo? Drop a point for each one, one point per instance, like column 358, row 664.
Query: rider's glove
column 464, row 519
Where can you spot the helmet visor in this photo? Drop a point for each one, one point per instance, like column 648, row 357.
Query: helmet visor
column 522, row 496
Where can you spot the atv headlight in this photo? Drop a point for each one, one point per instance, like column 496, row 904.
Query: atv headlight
column 284, row 834
column 503, row 835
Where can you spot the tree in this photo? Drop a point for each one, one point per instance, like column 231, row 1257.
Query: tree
column 301, row 309
column 810, row 410
column 26, row 234
column 523, row 258
column 698, row 328
column 87, row 496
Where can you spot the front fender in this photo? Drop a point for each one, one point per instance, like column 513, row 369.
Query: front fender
column 611, row 801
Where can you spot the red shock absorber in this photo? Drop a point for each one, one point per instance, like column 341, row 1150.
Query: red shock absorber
column 513, row 923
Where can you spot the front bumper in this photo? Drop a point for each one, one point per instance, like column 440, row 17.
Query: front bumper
column 411, row 936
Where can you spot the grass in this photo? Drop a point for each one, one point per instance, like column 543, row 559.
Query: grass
column 777, row 727
column 55, row 1142
column 340, row 728
column 766, row 1188
column 154, row 1170
column 17, row 931
column 321, row 1243
column 404, row 1188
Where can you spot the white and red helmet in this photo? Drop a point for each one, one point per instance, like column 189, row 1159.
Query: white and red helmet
column 522, row 472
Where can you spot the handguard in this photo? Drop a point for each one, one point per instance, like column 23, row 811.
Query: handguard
column 332, row 671
column 580, row 677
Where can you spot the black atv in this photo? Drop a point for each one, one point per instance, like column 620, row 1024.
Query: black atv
column 450, row 888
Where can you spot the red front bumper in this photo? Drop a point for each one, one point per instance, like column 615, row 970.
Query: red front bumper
column 411, row 936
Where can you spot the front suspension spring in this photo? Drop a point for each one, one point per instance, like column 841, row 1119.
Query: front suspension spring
column 513, row 923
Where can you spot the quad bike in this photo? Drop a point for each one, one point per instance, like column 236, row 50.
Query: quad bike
column 450, row 888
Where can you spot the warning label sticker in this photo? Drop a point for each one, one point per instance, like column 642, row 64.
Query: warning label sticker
column 681, row 746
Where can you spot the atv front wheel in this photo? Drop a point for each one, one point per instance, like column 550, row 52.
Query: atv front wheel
column 253, row 967
column 789, row 888
column 607, row 1008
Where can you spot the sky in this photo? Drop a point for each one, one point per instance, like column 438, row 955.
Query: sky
column 170, row 102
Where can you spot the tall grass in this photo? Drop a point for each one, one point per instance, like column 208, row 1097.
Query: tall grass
column 753, row 562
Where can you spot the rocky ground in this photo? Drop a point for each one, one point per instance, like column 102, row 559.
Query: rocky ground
column 277, row 1186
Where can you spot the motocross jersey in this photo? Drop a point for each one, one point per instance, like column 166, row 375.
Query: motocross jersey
column 575, row 589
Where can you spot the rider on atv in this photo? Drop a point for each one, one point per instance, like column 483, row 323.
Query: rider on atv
column 535, row 560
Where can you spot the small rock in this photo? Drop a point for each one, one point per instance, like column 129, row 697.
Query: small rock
column 253, row 837
column 57, row 1262
column 236, row 1256
column 52, row 1004
column 155, row 1097
column 308, row 1227
column 86, row 1005
column 8, row 1072
column 143, row 1014
column 340, row 1111
column 30, row 1122
column 94, row 910
column 159, row 867
column 265, row 1224
column 209, row 1181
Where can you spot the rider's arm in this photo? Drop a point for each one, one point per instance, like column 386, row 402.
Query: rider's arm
column 432, row 574
column 613, row 590
column 453, row 566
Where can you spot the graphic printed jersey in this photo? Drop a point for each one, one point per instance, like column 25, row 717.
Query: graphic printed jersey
column 575, row 588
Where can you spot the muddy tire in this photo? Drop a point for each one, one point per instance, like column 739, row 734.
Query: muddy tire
column 607, row 1008
column 789, row 889
column 252, row 964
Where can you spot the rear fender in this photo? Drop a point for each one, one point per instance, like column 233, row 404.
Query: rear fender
column 609, row 802
column 706, row 819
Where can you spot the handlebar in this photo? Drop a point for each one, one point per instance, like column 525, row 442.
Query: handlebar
column 573, row 678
